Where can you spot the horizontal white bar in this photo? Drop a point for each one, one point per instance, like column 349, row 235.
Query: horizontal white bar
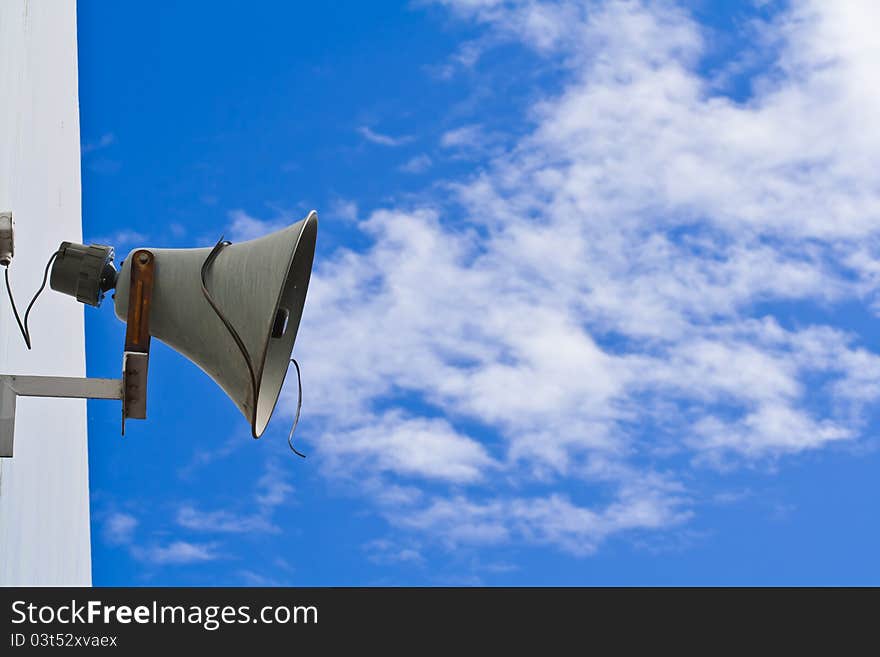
column 65, row 386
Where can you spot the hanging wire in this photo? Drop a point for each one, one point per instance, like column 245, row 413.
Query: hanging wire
column 15, row 310
column 299, row 403
column 23, row 326
column 221, row 244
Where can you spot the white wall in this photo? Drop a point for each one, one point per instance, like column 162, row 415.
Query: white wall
column 44, row 497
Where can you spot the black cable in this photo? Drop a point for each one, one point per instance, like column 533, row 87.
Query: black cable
column 299, row 404
column 15, row 310
column 221, row 244
column 23, row 326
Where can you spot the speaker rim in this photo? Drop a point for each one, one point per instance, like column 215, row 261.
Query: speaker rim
column 309, row 223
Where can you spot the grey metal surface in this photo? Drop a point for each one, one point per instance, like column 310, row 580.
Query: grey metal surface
column 82, row 271
column 7, row 238
column 7, row 419
column 71, row 387
column 249, row 281
column 135, row 365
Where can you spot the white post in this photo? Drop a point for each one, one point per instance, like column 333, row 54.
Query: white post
column 44, row 491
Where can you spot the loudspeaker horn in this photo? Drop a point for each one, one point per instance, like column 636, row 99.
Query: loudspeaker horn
column 258, row 286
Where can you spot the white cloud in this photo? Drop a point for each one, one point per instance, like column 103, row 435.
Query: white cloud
column 417, row 164
column 222, row 521
column 273, row 488
column 421, row 447
column 243, row 227
column 202, row 458
column 382, row 139
column 555, row 520
column 176, row 553
column 119, row 528
column 464, row 136
column 614, row 288
column 545, row 26
column 107, row 139
column 272, row 491
column 122, row 239
column 251, row 578
column 646, row 502
column 384, row 552
column 472, row 140
column 344, row 210
column 458, row 520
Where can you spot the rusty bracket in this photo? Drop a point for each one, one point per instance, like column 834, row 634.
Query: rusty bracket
column 135, row 360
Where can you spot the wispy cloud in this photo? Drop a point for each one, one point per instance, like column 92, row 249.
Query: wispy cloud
column 244, row 226
column 254, row 515
column 273, row 489
column 467, row 136
column 417, row 164
column 107, row 139
column 385, row 552
column 176, row 553
column 599, row 317
column 346, row 210
column 382, row 139
column 122, row 239
column 202, row 458
column 409, row 446
column 605, row 318
column 222, row 521
column 252, row 578
column 119, row 528
column 464, row 57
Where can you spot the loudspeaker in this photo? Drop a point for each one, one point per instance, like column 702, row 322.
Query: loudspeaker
column 259, row 286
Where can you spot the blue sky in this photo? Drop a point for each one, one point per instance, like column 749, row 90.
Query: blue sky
column 594, row 298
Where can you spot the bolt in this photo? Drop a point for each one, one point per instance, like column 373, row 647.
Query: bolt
column 144, row 258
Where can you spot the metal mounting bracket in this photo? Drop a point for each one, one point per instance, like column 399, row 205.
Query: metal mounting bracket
column 136, row 358
column 13, row 386
column 131, row 389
